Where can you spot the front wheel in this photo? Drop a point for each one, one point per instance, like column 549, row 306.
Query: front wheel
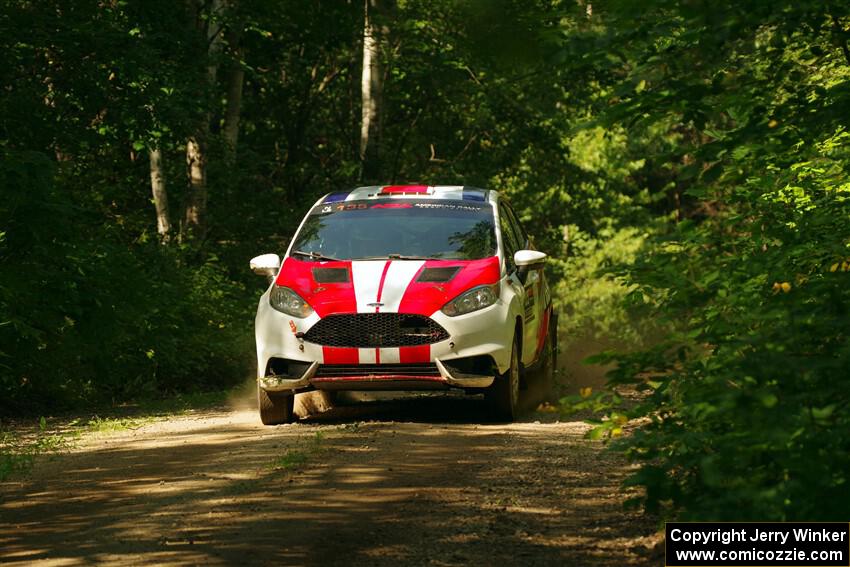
column 275, row 407
column 503, row 394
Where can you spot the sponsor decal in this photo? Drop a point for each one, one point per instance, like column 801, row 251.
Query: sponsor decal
column 529, row 305
column 392, row 206
column 351, row 207
column 449, row 206
column 293, row 327
column 339, row 207
column 431, row 203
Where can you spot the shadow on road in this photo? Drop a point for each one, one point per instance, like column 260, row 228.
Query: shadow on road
column 388, row 482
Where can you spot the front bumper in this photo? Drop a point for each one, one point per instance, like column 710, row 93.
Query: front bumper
column 378, row 378
column 488, row 333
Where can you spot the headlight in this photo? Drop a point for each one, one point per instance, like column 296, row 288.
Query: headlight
column 287, row 301
column 472, row 300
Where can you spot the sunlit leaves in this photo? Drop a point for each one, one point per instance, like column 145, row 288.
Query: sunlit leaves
column 747, row 398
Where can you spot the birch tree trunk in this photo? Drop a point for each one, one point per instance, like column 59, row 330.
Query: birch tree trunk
column 194, row 218
column 160, row 196
column 235, row 80
column 371, row 89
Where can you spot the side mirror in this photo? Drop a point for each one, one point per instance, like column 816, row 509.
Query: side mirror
column 529, row 259
column 266, row 265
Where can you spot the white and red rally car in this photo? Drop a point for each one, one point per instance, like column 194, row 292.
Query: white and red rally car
column 404, row 288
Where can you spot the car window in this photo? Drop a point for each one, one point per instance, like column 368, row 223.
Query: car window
column 379, row 228
column 509, row 237
column 517, row 227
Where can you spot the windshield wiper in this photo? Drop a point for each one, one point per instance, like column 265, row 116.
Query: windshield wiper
column 313, row 255
column 405, row 257
column 396, row 257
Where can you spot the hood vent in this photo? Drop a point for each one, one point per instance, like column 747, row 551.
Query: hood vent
column 331, row 275
column 438, row 275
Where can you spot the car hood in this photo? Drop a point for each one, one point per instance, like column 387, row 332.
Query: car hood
column 387, row 286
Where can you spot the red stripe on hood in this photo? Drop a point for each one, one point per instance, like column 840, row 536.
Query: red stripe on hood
column 378, row 300
column 425, row 298
column 381, row 284
column 325, row 298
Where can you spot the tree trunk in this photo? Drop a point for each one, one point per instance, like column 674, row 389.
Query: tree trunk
column 160, row 196
column 235, row 80
column 194, row 218
column 195, row 213
column 371, row 89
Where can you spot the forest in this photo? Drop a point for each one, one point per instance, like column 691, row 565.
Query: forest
column 684, row 163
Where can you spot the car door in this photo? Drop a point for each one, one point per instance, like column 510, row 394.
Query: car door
column 542, row 297
column 527, row 284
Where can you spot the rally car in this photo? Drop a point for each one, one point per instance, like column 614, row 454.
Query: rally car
column 404, row 288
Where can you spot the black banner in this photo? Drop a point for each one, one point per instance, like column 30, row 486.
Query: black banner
column 757, row 544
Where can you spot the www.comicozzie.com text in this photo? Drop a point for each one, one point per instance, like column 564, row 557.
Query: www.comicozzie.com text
column 734, row 535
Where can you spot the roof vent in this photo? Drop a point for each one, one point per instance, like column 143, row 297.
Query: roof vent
column 331, row 275
column 438, row 275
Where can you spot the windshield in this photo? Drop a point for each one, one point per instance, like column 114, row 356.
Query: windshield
column 389, row 228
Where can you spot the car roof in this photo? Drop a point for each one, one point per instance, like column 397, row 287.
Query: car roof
column 452, row 192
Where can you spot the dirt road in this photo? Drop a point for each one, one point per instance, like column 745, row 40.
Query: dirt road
column 422, row 481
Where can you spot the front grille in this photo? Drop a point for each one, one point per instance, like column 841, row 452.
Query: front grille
column 341, row 370
column 365, row 330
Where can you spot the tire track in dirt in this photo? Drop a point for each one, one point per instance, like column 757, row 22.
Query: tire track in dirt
column 420, row 481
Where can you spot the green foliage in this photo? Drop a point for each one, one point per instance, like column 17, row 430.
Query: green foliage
column 18, row 453
column 99, row 424
column 294, row 459
column 291, row 459
column 745, row 401
column 749, row 400
column 87, row 317
column 589, row 297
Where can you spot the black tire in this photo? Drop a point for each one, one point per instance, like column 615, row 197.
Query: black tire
column 503, row 395
column 275, row 407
